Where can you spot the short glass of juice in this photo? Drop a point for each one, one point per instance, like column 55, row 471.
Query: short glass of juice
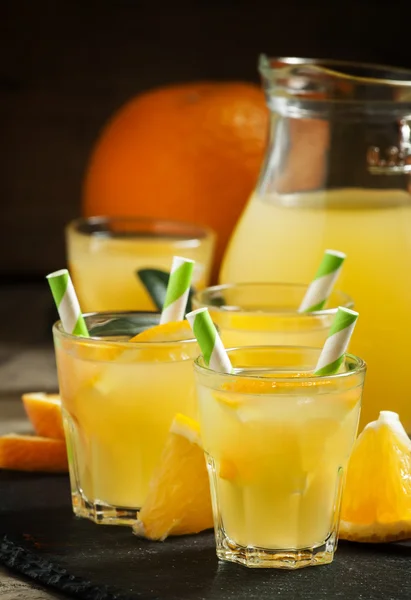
column 118, row 400
column 277, row 440
column 110, row 258
column 249, row 314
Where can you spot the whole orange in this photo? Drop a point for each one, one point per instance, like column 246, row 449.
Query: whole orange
column 189, row 152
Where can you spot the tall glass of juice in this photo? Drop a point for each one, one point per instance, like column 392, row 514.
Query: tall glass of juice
column 277, row 440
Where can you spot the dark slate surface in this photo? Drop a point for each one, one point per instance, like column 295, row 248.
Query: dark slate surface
column 108, row 563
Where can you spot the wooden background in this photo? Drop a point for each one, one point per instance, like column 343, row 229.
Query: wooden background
column 65, row 66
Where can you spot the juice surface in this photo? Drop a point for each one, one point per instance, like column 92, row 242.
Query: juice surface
column 283, row 239
column 254, row 329
column 277, row 462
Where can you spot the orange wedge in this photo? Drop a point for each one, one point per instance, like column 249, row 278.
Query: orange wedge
column 44, row 412
column 167, row 332
column 178, row 500
column 31, row 453
column 376, row 503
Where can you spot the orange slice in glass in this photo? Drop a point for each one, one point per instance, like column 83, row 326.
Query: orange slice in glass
column 167, row 332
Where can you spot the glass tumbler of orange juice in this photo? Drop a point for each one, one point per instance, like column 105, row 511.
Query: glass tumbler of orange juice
column 249, row 314
column 277, row 440
column 119, row 399
column 109, row 259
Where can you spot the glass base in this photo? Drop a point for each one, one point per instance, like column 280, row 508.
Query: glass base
column 255, row 557
column 102, row 513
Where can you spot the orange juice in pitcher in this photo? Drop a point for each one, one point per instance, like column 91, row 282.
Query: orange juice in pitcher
column 337, row 175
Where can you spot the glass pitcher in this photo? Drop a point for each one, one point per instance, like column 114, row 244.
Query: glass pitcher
column 337, row 175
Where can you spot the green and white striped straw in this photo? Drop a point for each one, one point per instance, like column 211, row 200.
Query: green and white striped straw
column 211, row 346
column 321, row 287
column 178, row 289
column 67, row 304
column 332, row 355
